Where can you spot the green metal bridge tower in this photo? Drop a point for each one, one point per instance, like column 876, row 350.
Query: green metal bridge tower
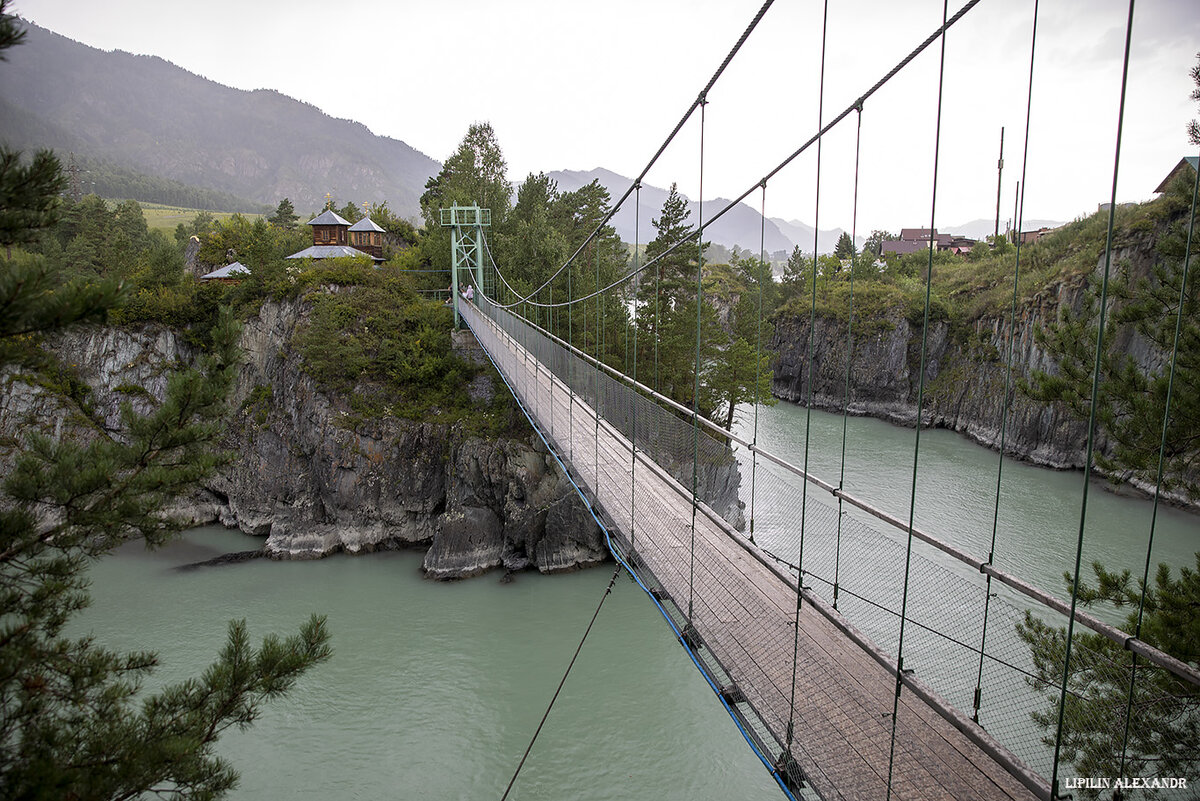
column 466, row 224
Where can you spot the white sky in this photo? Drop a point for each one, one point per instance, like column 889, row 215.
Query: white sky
column 569, row 85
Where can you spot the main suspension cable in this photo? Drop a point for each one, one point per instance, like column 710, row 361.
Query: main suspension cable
column 697, row 103
column 1008, row 373
column 912, row 503
column 854, row 105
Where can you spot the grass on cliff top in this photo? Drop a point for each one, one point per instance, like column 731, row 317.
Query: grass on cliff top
column 966, row 289
column 372, row 338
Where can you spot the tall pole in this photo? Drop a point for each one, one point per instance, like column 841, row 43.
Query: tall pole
column 999, row 174
column 1016, row 226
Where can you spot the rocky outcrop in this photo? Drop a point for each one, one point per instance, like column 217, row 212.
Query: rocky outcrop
column 965, row 372
column 312, row 479
column 964, row 378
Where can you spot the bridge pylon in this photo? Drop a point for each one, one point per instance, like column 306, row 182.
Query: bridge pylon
column 466, row 224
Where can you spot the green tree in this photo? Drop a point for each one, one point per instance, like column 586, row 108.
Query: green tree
column 10, row 32
column 399, row 232
column 740, row 374
column 797, row 274
column 74, row 724
column 203, row 224
column 675, row 253
column 574, row 216
column 1131, row 401
column 740, row 371
column 285, row 215
column 351, row 212
column 1193, row 127
column 1001, row 245
column 874, row 243
column 252, row 242
column 72, row 721
column 757, row 278
column 845, row 248
column 1164, row 716
column 474, row 175
column 1142, row 432
column 666, row 298
column 529, row 248
column 30, row 191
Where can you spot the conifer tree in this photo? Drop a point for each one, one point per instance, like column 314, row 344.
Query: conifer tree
column 845, row 248
column 73, row 723
column 285, row 215
column 1108, row 694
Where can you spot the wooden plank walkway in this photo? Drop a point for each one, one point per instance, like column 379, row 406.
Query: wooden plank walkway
column 744, row 611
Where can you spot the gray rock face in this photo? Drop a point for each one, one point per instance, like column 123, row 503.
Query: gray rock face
column 964, row 380
column 964, row 376
column 470, row 542
column 313, row 481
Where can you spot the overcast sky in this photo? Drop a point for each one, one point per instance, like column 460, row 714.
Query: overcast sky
column 570, row 85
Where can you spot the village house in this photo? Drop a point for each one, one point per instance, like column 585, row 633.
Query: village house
column 914, row 239
column 1187, row 166
column 366, row 236
column 229, row 274
column 1029, row 237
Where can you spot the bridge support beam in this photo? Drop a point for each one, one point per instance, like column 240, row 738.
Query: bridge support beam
column 466, row 224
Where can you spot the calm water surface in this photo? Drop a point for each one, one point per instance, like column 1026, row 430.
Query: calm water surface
column 1039, row 517
column 434, row 689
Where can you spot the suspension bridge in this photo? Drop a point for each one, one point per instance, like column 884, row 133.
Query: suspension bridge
column 861, row 657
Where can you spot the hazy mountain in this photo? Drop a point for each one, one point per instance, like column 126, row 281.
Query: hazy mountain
column 801, row 233
column 978, row 229
column 144, row 114
column 740, row 227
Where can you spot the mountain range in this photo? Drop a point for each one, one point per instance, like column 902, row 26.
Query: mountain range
column 143, row 113
column 142, row 127
column 741, row 226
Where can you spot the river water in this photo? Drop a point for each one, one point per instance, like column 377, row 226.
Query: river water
column 434, row 689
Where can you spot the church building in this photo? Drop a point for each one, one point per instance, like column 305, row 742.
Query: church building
column 334, row 237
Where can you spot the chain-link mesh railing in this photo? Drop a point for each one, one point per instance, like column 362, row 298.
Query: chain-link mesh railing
column 1002, row 681
column 801, row 694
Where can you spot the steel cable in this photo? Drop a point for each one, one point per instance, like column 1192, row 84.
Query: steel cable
column 1092, row 413
column 1012, row 337
column 912, row 504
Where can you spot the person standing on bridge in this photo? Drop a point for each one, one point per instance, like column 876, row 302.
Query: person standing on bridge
column 468, row 293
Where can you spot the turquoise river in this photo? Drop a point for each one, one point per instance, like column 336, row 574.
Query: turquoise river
column 434, row 689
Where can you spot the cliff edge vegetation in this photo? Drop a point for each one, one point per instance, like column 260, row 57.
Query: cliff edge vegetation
column 1047, row 315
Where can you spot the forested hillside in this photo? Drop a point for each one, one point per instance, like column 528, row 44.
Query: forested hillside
column 149, row 127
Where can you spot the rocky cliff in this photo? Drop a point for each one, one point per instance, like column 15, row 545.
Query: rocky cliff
column 964, row 373
column 313, row 480
column 964, row 378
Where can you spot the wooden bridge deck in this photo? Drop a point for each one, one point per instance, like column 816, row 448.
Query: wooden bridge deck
column 743, row 609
